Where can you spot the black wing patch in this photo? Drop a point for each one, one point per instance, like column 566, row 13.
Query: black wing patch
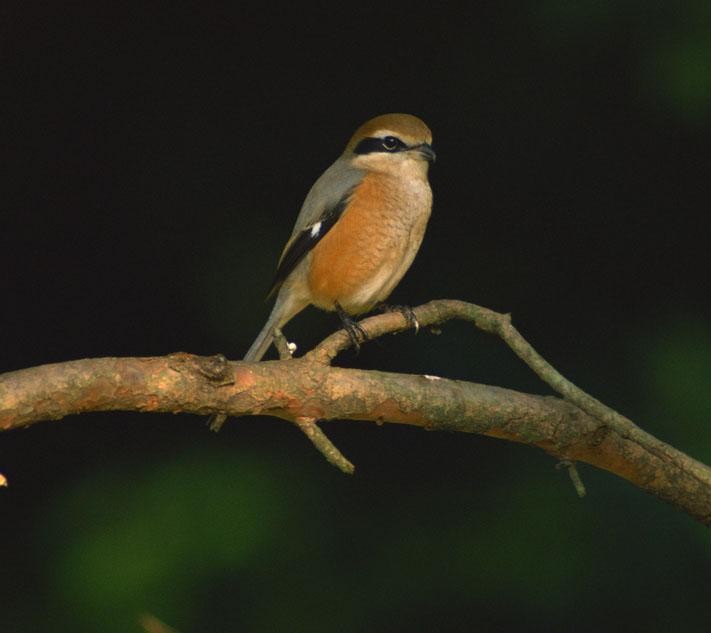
column 307, row 239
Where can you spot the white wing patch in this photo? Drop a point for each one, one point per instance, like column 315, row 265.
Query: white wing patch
column 316, row 229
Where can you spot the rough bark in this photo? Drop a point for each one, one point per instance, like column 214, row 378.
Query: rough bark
column 309, row 389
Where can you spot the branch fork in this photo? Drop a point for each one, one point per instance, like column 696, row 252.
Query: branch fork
column 576, row 428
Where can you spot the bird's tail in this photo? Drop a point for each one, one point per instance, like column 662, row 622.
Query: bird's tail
column 255, row 353
column 262, row 342
column 285, row 307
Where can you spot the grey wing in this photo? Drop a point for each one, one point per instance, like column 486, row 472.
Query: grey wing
column 322, row 208
column 325, row 194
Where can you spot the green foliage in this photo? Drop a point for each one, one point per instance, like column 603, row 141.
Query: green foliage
column 127, row 542
column 673, row 367
column 221, row 541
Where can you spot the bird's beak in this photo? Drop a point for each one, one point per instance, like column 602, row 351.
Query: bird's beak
column 426, row 152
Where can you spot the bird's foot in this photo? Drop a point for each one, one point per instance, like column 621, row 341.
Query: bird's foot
column 406, row 311
column 354, row 329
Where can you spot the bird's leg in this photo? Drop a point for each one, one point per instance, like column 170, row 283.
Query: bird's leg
column 355, row 332
column 406, row 311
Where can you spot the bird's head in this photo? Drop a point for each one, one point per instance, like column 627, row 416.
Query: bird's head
column 390, row 142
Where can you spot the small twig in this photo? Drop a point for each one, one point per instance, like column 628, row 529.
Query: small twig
column 574, row 476
column 309, row 426
column 439, row 311
column 216, row 421
column 442, row 310
column 372, row 327
column 327, row 448
column 500, row 324
column 284, row 347
column 152, row 624
column 581, row 429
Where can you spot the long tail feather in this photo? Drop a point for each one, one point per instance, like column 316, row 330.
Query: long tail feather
column 284, row 309
column 262, row 342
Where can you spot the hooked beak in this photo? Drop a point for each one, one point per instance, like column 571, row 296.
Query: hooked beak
column 426, row 152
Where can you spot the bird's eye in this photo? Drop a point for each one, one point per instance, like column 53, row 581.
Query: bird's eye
column 391, row 143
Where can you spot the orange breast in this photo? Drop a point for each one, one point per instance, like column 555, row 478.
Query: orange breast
column 365, row 245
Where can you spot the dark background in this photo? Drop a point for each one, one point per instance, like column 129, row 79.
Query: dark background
column 154, row 165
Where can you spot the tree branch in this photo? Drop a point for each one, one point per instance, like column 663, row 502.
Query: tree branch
column 306, row 389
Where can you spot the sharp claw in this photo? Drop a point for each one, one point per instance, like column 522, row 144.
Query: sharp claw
column 354, row 329
column 407, row 312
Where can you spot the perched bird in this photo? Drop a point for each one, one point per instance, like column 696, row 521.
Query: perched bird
column 359, row 228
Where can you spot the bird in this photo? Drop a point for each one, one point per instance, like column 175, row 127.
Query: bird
column 359, row 228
